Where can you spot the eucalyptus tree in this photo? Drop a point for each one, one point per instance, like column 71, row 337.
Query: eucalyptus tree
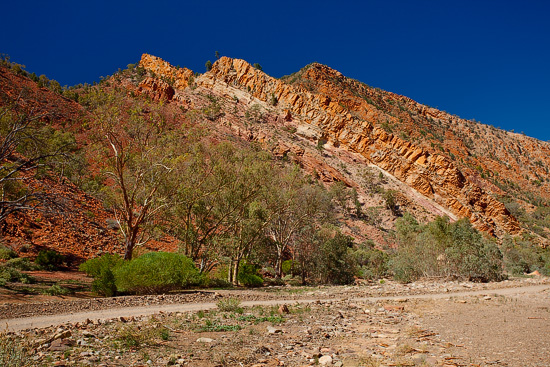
column 129, row 146
column 295, row 205
column 29, row 147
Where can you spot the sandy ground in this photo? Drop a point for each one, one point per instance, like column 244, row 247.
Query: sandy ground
column 480, row 327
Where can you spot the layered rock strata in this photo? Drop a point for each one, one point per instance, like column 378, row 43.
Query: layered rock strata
column 433, row 175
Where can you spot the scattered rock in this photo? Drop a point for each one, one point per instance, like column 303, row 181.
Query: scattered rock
column 205, row 340
column 60, row 335
column 394, row 308
column 61, row 345
column 274, row 330
column 283, row 309
column 325, row 360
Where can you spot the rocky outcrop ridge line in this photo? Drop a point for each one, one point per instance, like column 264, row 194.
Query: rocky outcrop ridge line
column 180, row 76
column 433, row 175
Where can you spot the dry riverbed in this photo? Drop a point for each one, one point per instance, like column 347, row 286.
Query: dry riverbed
column 481, row 329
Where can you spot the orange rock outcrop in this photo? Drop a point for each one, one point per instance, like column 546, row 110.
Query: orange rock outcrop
column 180, row 76
column 433, row 175
column 157, row 90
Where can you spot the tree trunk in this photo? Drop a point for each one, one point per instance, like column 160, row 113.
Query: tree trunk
column 279, row 264
column 230, row 273
column 235, row 270
column 129, row 250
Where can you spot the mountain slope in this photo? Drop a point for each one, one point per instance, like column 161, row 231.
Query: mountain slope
column 323, row 104
column 336, row 129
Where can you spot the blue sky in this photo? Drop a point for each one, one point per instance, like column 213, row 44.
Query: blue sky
column 482, row 60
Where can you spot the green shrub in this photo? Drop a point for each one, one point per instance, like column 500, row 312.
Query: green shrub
column 444, row 249
column 249, row 276
column 101, row 269
column 131, row 336
column 371, row 263
column 217, row 283
column 333, row 263
column 522, row 257
column 57, row 290
column 49, row 260
column 156, row 272
column 10, row 274
column 7, row 253
column 404, row 268
column 291, row 267
column 21, row 263
column 229, row 304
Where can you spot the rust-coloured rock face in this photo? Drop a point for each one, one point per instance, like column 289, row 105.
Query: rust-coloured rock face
column 438, row 164
column 180, row 77
column 157, row 90
column 431, row 174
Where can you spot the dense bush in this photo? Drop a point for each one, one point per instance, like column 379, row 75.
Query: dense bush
column 21, row 263
column 333, row 263
column 444, row 249
column 156, row 272
column 521, row 257
column 50, row 260
column 213, row 282
column 7, row 253
column 371, row 263
column 249, row 276
column 101, row 269
column 57, row 290
column 10, row 274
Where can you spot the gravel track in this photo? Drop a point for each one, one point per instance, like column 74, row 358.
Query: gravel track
column 148, row 305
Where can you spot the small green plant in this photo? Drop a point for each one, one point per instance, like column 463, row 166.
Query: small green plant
column 274, row 319
column 229, row 304
column 321, row 143
column 101, row 269
column 165, row 334
column 14, row 352
column 255, row 114
column 7, row 253
column 57, row 290
column 215, row 327
column 273, row 100
column 130, row 336
column 50, row 260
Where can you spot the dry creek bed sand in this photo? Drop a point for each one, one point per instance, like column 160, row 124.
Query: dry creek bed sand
column 471, row 330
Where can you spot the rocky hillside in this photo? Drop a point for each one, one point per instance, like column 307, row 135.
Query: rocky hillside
column 335, row 128
column 441, row 158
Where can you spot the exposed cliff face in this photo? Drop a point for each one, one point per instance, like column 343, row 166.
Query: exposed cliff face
column 157, row 90
column 180, row 77
column 350, row 123
column 500, row 162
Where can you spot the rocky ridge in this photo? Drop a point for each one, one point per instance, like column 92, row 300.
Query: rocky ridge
column 433, row 175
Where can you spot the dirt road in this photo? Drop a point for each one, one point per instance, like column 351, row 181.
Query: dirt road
column 17, row 324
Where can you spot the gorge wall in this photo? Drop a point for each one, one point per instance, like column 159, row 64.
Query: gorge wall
column 353, row 128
